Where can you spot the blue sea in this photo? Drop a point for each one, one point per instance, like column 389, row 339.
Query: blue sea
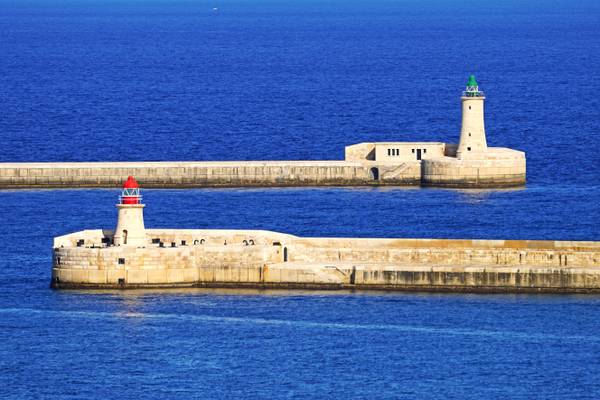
column 240, row 80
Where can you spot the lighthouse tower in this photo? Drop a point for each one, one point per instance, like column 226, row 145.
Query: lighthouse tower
column 472, row 144
column 130, row 229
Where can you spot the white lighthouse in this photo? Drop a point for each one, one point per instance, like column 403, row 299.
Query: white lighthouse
column 130, row 229
column 472, row 144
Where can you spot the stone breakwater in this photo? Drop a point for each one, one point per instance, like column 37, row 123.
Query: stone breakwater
column 434, row 172
column 470, row 163
column 198, row 174
column 262, row 259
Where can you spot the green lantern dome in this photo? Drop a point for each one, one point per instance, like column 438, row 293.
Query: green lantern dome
column 472, row 89
column 472, row 82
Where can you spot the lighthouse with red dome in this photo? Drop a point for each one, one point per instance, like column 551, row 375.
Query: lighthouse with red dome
column 130, row 230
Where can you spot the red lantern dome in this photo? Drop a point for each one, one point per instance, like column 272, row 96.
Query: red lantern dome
column 131, row 192
column 131, row 183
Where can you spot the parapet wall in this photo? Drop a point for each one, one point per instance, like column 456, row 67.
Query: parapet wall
column 391, row 163
column 204, row 174
column 269, row 259
column 500, row 167
column 447, row 252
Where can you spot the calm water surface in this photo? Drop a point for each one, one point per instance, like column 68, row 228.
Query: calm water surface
column 125, row 80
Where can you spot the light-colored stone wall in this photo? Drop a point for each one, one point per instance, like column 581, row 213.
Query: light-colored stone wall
column 395, row 152
column 254, row 258
column 184, row 174
column 447, row 252
column 360, row 152
column 501, row 167
column 407, row 172
column 366, row 164
column 210, row 237
column 226, row 174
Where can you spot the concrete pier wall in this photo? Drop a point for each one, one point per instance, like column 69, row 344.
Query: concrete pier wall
column 207, row 174
column 223, row 258
column 499, row 168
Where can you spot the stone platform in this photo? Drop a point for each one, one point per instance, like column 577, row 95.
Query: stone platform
column 501, row 168
column 468, row 164
column 180, row 174
column 263, row 259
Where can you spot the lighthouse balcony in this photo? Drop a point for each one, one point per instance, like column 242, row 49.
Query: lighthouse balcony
column 476, row 93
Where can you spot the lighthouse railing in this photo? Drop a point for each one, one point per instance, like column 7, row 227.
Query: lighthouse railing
column 131, row 192
column 478, row 93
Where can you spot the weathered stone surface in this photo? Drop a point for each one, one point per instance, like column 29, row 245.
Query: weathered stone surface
column 501, row 167
column 268, row 259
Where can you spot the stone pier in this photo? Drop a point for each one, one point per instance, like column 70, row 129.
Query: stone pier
column 468, row 164
column 263, row 259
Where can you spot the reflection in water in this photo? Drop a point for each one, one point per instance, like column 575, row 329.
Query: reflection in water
column 474, row 196
column 204, row 319
column 133, row 297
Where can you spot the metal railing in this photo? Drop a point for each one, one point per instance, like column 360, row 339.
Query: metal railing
column 478, row 93
column 136, row 196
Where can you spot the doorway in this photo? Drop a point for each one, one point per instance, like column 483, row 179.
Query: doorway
column 374, row 174
column 285, row 254
column 124, row 236
column 418, row 154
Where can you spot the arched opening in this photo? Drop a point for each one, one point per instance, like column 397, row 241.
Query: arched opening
column 374, row 174
column 285, row 254
column 124, row 236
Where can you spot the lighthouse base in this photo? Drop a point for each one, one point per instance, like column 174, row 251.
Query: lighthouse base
column 497, row 167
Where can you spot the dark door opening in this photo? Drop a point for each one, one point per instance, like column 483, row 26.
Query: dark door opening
column 418, row 154
column 124, row 236
column 375, row 174
column 285, row 254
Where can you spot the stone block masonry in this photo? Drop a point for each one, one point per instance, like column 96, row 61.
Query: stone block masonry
column 203, row 174
column 470, row 163
column 263, row 259
column 444, row 171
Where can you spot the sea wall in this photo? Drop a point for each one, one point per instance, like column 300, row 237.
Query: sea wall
column 268, row 259
column 365, row 164
column 205, row 174
column 500, row 167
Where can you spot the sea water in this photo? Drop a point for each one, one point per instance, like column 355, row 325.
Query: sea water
column 243, row 80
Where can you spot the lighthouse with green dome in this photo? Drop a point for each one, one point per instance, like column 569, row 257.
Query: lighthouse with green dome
column 473, row 144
